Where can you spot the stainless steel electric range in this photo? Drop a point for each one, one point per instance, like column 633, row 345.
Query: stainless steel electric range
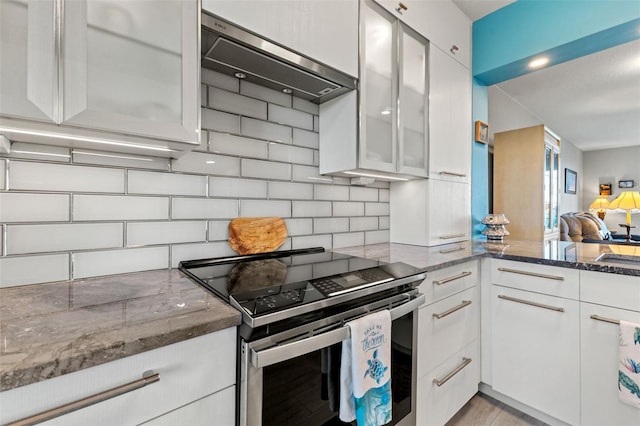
column 294, row 305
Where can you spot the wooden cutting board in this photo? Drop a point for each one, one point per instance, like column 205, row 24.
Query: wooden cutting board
column 249, row 235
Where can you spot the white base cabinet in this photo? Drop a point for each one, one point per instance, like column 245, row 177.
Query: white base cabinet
column 448, row 366
column 197, row 368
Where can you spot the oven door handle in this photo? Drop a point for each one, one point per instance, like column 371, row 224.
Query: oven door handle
column 273, row 355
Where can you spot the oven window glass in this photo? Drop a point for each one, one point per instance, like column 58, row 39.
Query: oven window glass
column 305, row 390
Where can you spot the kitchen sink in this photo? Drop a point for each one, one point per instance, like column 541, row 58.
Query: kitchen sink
column 617, row 258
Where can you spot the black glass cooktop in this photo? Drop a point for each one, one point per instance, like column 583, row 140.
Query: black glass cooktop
column 274, row 285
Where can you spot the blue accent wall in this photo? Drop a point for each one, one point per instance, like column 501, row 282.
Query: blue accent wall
column 479, row 161
column 506, row 40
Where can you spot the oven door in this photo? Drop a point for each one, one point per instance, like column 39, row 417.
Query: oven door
column 293, row 377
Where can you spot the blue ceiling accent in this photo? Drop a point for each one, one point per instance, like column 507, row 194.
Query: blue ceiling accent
column 506, row 40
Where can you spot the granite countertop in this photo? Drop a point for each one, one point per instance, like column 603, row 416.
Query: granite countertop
column 52, row 329
column 56, row 328
column 555, row 253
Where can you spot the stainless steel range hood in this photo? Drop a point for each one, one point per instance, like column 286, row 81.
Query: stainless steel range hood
column 229, row 49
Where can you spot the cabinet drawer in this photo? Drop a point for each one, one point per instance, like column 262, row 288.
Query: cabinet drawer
column 599, row 367
column 621, row 291
column 437, row 404
column 188, row 370
column 448, row 281
column 551, row 280
column 447, row 326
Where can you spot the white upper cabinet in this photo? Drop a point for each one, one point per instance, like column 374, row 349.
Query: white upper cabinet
column 324, row 30
column 440, row 21
column 449, row 119
column 385, row 131
column 102, row 69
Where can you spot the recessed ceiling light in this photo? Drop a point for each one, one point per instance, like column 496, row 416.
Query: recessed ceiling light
column 287, row 91
column 240, row 75
column 386, row 111
column 539, row 62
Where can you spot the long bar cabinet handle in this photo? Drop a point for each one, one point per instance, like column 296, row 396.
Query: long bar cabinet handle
column 448, row 237
column 454, row 309
column 532, row 274
column 526, row 302
column 444, row 172
column 445, row 379
column 148, row 377
column 449, row 279
column 453, row 249
column 605, row 319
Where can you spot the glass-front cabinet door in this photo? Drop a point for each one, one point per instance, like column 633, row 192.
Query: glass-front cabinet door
column 28, row 62
column 128, row 67
column 378, row 97
column 413, row 105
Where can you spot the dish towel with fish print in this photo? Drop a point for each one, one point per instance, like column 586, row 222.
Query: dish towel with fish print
column 365, row 371
column 629, row 371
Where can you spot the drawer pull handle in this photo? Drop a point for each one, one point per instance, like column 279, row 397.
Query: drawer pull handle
column 448, row 237
column 451, row 250
column 605, row 319
column 452, row 173
column 532, row 274
column 455, row 277
column 526, row 302
column 401, row 7
column 445, row 379
column 454, row 309
column 148, row 377
column 454, row 49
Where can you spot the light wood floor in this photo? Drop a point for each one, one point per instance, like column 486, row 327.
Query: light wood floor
column 483, row 410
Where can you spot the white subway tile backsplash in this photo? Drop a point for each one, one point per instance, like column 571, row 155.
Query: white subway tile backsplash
column 150, row 233
column 299, row 226
column 316, row 123
column 311, row 241
column 348, row 209
column 23, row 239
column 218, row 230
column 223, row 81
column 199, row 251
column 265, row 169
column 383, row 195
column 109, row 262
column 330, row 225
column 290, row 117
column 199, row 208
column 384, row 222
column 156, row 183
column 376, row 209
column 119, row 207
column 3, row 172
column 363, row 223
column 120, row 160
column 306, row 106
column 291, row 190
column 21, row 271
column 331, row 192
column 306, row 138
column 265, row 130
column 290, row 154
column 203, row 95
column 311, row 208
column 204, row 143
column 223, row 143
column 237, row 104
column 316, row 157
column 64, row 177
column 219, row 121
column 211, row 164
column 40, row 152
column 309, row 174
column 256, row 208
column 237, row 188
column 375, row 237
column 348, row 240
column 17, row 207
column 358, row 193
column 265, row 94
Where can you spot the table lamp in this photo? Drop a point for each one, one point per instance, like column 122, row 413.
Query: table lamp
column 627, row 200
column 600, row 204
